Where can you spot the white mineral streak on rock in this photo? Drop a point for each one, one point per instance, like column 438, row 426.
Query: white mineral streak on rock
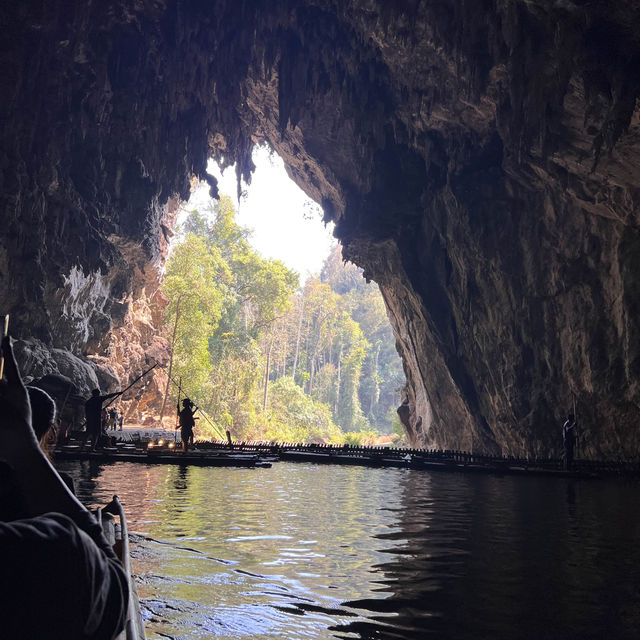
column 83, row 296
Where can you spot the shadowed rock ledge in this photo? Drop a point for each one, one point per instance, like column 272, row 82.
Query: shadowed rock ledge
column 480, row 160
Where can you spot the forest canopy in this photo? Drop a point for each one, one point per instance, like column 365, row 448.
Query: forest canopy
column 265, row 358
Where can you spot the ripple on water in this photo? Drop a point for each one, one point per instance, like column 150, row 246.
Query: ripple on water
column 304, row 551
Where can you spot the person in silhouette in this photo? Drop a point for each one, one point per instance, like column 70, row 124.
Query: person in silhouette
column 59, row 577
column 43, row 416
column 186, row 422
column 93, row 413
column 569, row 440
column 43, row 421
column 113, row 419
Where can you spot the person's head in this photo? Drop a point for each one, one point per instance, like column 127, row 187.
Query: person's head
column 571, row 417
column 95, row 392
column 43, row 412
column 187, row 402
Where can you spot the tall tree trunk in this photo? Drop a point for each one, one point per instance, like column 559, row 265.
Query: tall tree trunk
column 297, row 353
column 312, row 373
column 173, row 344
column 314, row 357
column 335, row 411
column 266, row 378
column 375, row 391
column 282, row 344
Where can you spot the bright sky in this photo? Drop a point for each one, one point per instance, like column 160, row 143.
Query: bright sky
column 287, row 225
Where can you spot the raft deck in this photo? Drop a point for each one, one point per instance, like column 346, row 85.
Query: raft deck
column 161, row 456
column 262, row 454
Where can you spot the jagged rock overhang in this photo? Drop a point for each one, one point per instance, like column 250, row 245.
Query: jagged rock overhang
column 479, row 160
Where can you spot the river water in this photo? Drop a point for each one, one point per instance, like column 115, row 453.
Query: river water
column 311, row 551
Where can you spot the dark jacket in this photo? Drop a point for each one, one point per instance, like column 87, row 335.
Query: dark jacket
column 187, row 421
column 60, row 579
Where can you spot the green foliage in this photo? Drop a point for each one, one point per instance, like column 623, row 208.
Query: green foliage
column 325, row 385
column 265, row 362
column 226, row 296
column 354, row 347
column 337, row 344
column 360, row 438
column 296, row 417
column 400, row 436
column 193, row 284
column 382, row 375
column 196, row 224
column 233, row 388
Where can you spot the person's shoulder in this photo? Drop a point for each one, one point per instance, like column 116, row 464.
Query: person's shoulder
column 45, row 527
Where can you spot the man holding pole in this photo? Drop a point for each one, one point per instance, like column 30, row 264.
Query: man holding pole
column 93, row 414
column 187, row 422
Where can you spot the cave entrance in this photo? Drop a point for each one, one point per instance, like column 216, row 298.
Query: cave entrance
column 279, row 339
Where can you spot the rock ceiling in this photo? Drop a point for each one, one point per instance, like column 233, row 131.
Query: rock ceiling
column 480, row 158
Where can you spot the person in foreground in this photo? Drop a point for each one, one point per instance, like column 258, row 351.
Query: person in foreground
column 59, row 578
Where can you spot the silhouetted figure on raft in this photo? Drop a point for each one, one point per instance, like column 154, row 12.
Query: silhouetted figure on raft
column 93, row 414
column 569, row 440
column 59, row 577
column 186, row 422
column 112, row 421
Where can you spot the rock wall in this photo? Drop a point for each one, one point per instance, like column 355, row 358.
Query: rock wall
column 480, row 160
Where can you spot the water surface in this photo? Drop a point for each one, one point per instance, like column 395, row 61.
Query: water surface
column 314, row 551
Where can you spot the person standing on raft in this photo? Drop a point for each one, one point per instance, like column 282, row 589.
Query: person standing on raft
column 93, row 413
column 186, row 422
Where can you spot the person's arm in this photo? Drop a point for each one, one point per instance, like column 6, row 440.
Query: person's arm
column 110, row 395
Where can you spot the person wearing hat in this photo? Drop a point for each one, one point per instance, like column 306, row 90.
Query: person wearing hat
column 186, row 422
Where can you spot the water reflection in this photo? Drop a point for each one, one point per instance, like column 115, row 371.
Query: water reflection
column 506, row 558
column 257, row 553
column 304, row 551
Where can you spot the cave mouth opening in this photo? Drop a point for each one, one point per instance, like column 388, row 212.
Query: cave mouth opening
column 287, row 341
column 284, row 222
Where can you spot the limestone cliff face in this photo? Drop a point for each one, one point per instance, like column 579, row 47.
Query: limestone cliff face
column 480, row 160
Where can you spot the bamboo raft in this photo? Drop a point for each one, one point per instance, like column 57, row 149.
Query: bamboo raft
column 436, row 460
column 161, row 455
column 262, row 454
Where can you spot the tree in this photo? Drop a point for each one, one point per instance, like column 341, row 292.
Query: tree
column 320, row 306
column 382, row 374
column 296, row 417
column 265, row 361
column 354, row 346
column 256, row 294
column 194, row 285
